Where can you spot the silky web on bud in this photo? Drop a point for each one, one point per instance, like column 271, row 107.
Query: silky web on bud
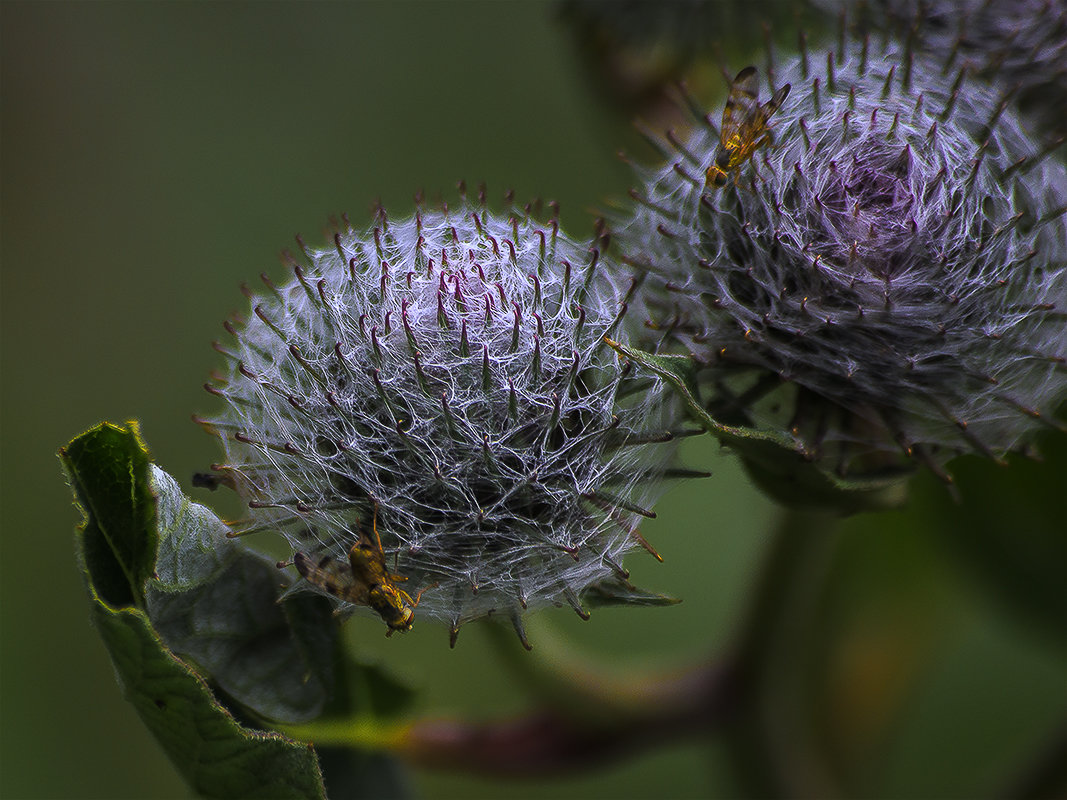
column 448, row 374
column 888, row 275
column 1017, row 43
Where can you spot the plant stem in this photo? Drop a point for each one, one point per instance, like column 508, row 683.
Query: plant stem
column 363, row 733
column 550, row 741
column 767, row 738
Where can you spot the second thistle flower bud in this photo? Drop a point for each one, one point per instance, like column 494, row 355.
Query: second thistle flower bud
column 429, row 413
column 882, row 274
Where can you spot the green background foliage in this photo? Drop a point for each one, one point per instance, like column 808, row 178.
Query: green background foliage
column 157, row 155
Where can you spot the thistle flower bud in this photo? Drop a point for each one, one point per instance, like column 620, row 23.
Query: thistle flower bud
column 886, row 275
column 1020, row 43
column 429, row 406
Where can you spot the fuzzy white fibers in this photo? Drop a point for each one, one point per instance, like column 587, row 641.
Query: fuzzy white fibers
column 890, row 273
column 449, row 370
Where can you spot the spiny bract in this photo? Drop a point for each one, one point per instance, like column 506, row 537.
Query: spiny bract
column 1020, row 43
column 887, row 278
column 446, row 373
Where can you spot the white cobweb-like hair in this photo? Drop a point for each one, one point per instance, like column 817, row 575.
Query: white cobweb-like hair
column 888, row 277
column 1019, row 43
column 448, row 374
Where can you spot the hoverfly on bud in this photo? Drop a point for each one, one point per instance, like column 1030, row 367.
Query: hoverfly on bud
column 744, row 125
column 365, row 581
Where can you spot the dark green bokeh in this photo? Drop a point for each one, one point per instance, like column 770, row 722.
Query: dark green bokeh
column 157, row 155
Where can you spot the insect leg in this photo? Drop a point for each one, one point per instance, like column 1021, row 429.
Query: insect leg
column 418, row 597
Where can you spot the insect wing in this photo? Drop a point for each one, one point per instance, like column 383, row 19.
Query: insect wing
column 775, row 102
column 333, row 576
column 741, row 106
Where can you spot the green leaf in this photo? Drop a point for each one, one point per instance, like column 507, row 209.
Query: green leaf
column 109, row 470
column 216, row 603
column 107, row 466
column 778, row 464
column 216, row 755
column 618, row 592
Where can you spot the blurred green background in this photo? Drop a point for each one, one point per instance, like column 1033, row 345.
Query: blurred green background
column 155, row 156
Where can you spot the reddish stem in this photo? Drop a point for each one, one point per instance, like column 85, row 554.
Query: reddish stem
column 549, row 742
